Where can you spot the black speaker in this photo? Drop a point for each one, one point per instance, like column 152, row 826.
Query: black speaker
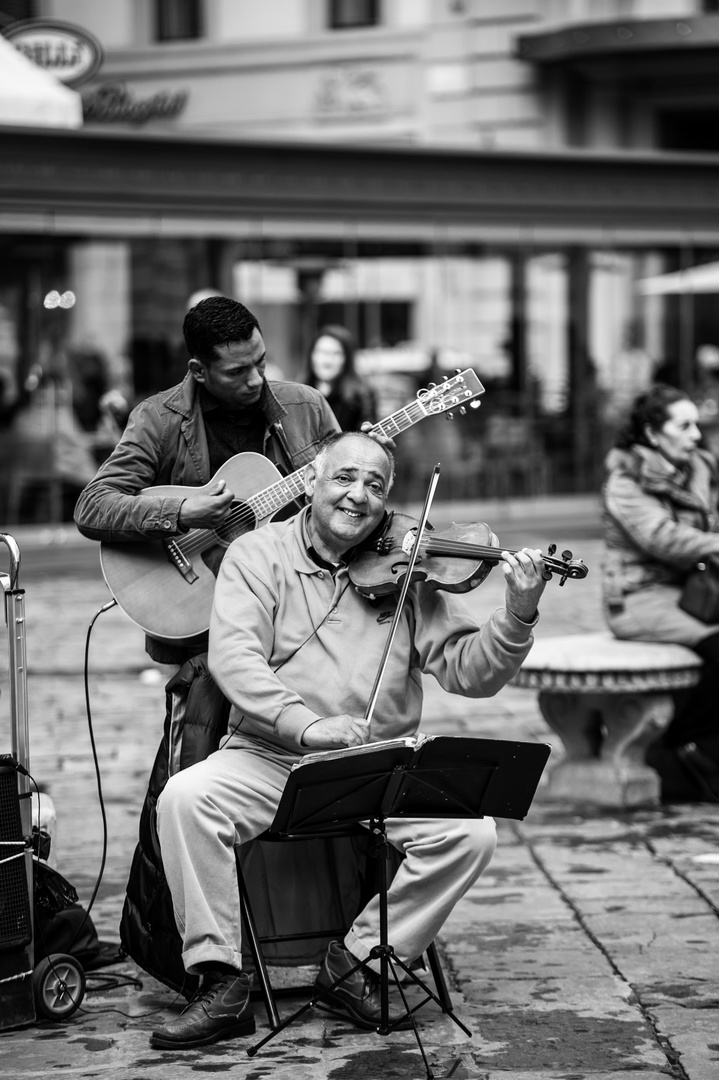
column 16, row 991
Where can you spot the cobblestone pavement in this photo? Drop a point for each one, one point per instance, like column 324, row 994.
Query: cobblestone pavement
column 588, row 949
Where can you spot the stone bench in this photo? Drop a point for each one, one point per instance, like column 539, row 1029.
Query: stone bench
column 607, row 700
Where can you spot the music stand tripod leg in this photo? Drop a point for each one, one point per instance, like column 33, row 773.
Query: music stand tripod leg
column 383, row 952
column 252, row 1050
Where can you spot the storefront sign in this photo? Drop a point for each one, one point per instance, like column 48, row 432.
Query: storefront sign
column 113, row 103
column 349, row 92
column 68, row 52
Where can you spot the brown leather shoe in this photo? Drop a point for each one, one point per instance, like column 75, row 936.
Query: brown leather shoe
column 219, row 1010
column 358, row 997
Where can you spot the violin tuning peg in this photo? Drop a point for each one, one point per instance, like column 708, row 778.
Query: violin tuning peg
column 551, row 549
column 566, row 555
column 563, row 581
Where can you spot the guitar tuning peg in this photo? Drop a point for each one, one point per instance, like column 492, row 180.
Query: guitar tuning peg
column 462, row 411
column 551, row 549
column 458, row 371
column 474, row 404
column 449, row 415
column 566, row 555
column 431, row 386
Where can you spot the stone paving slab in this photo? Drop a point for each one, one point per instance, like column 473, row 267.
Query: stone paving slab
column 587, row 950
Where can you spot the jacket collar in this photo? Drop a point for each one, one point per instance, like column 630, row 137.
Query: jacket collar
column 658, row 476
column 183, row 399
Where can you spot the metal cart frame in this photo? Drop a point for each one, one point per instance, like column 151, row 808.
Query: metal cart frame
column 56, row 987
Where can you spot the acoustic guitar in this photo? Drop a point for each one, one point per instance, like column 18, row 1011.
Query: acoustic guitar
column 166, row 586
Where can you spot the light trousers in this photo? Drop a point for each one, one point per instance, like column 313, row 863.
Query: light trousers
column 232, row 796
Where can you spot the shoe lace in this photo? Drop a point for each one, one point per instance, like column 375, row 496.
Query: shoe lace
column 205, row 993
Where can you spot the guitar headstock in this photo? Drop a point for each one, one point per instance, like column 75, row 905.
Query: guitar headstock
column 454, row 392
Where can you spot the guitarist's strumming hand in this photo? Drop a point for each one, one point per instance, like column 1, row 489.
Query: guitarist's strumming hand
column 206, row 510
column 341, row 730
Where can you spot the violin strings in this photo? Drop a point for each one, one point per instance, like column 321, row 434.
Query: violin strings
column 459, row 548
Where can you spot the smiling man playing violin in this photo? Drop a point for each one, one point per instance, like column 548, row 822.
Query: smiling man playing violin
column 295, row 648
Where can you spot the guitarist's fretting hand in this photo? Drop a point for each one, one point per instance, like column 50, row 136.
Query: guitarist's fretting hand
column 206, row 510
column 378, row 436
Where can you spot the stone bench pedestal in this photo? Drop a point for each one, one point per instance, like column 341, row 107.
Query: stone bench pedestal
column 606, row 700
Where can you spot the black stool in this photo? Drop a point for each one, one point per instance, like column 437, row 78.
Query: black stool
column 343, row 849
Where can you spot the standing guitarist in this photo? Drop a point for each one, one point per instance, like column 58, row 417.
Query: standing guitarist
column 182, row 436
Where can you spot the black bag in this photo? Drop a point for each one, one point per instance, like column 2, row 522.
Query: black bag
column 61, row 924
column 700, row 596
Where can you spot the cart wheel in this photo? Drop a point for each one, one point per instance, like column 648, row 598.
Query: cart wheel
column 58, row 984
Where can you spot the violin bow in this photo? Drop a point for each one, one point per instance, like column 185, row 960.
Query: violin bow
column 433, row 481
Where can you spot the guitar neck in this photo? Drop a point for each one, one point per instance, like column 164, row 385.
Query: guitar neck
column 268, row 502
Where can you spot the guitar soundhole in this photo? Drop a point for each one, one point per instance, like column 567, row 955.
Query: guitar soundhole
column 239, row 521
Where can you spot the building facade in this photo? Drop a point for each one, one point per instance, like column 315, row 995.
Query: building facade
column 520, row 187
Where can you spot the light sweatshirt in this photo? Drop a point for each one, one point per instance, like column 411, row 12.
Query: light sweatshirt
column 290, row 643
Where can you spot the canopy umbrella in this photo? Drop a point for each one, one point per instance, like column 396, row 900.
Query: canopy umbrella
column 33, row 97
column 695, row 279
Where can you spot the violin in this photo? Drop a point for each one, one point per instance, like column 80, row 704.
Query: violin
column 456, row 559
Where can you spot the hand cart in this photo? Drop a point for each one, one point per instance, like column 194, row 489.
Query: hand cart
column 56, row 987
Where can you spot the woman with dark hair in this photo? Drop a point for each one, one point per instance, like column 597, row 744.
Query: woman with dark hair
column 660, row 519
column 331, row 370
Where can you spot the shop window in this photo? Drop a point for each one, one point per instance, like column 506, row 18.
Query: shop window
column 352, row 14
column 688, row 129
column 376, row 324
column 178, row 20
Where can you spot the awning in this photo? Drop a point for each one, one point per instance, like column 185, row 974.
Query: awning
column 32, row 97
column 695, row 279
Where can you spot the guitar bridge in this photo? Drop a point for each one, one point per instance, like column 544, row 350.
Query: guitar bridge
column 180, row 561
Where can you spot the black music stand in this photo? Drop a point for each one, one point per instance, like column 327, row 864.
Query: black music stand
column 439, row 777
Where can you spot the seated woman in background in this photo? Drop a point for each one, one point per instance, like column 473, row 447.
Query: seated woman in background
column 660, row 519
column 331, row 370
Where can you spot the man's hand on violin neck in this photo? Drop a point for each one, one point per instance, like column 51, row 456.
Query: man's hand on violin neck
column 524, row 582
column 334, row 731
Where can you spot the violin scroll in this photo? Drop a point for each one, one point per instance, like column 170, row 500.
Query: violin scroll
column 566, row 567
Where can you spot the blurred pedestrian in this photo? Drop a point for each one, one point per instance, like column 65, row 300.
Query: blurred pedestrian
column 660, row 520
column 331, row 370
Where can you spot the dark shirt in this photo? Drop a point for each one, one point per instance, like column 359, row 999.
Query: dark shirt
column 232, row 431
